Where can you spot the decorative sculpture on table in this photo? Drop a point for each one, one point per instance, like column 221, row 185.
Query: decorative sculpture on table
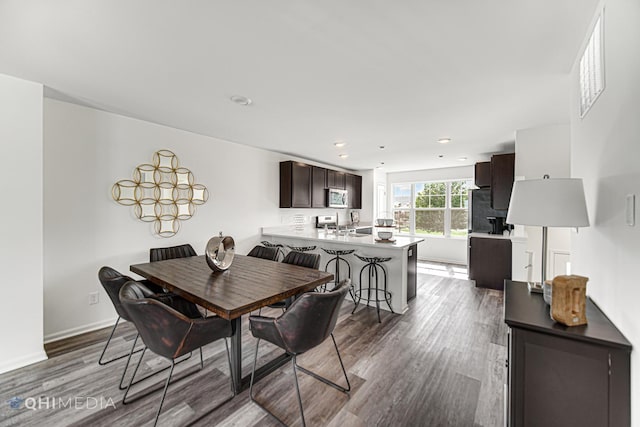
column 219, row 252
column 163, row 193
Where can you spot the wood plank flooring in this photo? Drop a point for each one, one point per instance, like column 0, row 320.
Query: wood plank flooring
column 440, row 364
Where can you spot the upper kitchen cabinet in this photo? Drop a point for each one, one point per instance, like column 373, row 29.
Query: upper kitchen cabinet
column 305, row 186
column 318, row 187
column 295, row 185
column 336, row 179
column 502, row 172
column 482, row 174
column 354, row 190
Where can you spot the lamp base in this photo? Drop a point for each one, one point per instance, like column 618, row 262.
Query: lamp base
column 534, row 287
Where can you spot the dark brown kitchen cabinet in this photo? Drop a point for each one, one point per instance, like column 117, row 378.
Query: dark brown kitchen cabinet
column 412, row 272
column 305, row 186
column 318, row 187
column 482, row 175
column 560, row 375
column 489, row 261
column 354, row 190
column 295, row 185
column 502, row 173
column 336, row 179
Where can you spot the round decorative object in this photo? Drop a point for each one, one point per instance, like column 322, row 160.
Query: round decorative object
column 220, row 252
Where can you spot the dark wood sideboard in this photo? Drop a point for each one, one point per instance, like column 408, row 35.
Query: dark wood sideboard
column 560, row 375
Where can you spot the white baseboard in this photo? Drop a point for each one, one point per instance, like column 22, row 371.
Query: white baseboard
column 23, row 361
column 57, row 336
column 444, row 261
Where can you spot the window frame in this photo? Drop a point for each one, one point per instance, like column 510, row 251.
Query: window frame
column 412, row 210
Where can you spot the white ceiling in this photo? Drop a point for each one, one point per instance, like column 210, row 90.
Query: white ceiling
column 370, row 72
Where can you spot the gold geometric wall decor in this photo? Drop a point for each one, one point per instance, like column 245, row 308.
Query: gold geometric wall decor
column 162, row 192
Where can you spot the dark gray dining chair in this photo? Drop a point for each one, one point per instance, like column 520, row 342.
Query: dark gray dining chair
column 308, row 322
column 172, row 252
column 112, row 281
column 264, row 253
column 169, row 333
column 302, row 259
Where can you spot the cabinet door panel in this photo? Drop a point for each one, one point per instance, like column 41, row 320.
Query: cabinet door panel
column 301, row 186
column 319, row 185
column 489, row 261
column 560, row 382
column 502, row 172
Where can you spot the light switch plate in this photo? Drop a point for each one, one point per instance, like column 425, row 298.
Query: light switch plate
column 630, row 212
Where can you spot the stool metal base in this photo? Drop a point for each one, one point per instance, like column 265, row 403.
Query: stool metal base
column 373, row 264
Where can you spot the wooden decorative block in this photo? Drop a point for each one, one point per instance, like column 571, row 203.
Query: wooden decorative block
column 569, row 295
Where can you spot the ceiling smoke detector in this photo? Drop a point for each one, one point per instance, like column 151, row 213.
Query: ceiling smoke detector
column 241, row 100
column 339, row 144
column 344, row 156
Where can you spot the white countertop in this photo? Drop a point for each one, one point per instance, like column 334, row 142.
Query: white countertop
column 489, row 236
column 316, row 234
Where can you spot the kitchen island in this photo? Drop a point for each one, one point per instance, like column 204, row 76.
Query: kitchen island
column 401, row 269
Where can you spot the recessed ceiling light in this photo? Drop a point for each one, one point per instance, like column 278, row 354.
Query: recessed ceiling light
column 444, row 140
column 241, row 100
column 462, row 159
column 339, row 143
column 344, row 156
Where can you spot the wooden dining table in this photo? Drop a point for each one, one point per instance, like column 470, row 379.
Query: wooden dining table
column 249, row 284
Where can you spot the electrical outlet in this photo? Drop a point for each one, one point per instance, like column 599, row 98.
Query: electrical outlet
column 93, row 298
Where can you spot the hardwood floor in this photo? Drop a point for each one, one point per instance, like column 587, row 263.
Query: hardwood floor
column 440, row 364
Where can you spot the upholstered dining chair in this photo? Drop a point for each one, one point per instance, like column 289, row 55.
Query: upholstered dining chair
column 264, row 253
column 302, row 259
column 112, row 281
column 309, row 321
column 180, row 251
column 168, row 333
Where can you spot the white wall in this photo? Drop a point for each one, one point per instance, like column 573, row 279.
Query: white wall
column 21, row 218
column 605, row 152
column 86, row 152
column 443, row 249
column 539, row 151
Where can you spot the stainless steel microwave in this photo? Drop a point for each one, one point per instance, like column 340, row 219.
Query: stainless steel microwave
column 338, row 198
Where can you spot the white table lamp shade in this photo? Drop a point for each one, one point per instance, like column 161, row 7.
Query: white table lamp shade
column 557, row 202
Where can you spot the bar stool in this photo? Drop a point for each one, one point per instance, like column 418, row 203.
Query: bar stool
column 373, row 264
column 279, row 247
column 302, row 248
column 337, row 259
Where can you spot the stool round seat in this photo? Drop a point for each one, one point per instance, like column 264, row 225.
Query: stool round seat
column 339, row 251
column 302, row 248
column 271, row 245
column 375, row 293
column 337, row 259
column 375, row 259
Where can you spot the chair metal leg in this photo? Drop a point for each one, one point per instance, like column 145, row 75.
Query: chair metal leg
column 295, row 380
column 124, row 398
column 124, row 371
column 164, row 393
column 104, row 350
column 326, row 381
column 251, row 396
column 295, row 366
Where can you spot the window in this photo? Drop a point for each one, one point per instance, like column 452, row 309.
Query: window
column 592, row 69
column 432, row 208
